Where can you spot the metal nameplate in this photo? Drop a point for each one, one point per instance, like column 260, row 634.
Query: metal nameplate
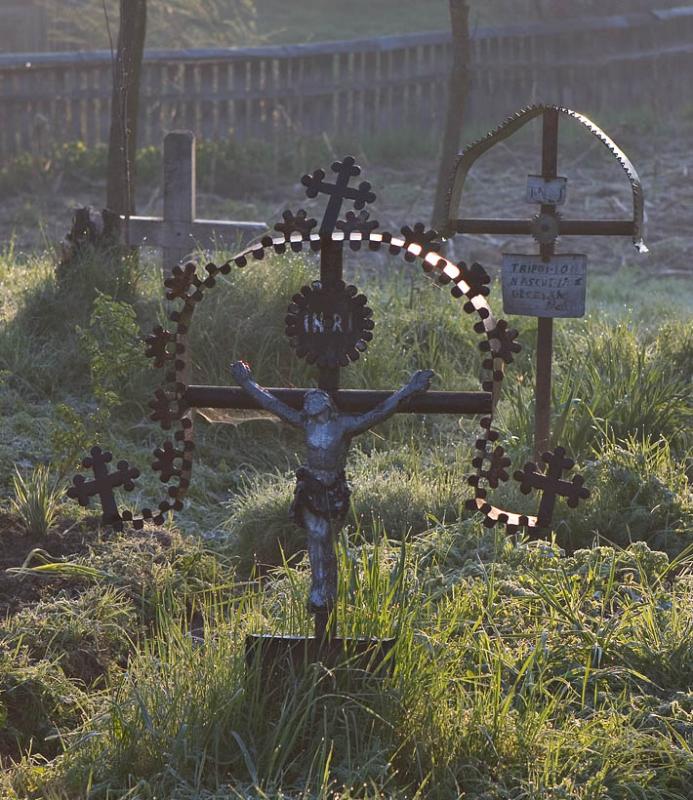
column 537, row 288
column 547, row 191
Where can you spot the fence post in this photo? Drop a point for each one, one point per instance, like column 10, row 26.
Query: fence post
column 457, row 98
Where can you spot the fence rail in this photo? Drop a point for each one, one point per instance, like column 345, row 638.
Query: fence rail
column 364, row 86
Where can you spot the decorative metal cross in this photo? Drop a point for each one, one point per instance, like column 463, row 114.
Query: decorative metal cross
column 331, row 283
column 330, row 325
column 557, row 272
column 103, row 484
column 552, row 484
column 338, row 192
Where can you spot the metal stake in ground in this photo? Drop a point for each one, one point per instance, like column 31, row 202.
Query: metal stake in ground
column 542, row 399
column 550, row 285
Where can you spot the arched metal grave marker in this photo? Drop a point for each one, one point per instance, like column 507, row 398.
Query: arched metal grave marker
column 549, row 284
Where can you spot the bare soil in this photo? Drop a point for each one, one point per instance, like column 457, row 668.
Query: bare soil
column 65, row 540
column 597, row 188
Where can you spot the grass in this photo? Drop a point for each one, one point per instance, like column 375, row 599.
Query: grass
column 36, row 499
column 557, row 670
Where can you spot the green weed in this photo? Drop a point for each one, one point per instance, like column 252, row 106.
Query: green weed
column 37, row 499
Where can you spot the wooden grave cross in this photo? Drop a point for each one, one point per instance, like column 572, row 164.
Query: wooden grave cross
column 178, row 233
column 564, row 273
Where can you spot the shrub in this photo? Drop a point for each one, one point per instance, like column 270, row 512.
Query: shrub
column 37, row 704
column 638, row 492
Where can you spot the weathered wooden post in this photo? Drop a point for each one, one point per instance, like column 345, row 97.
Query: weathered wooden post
column 458, row 89
column 179, row 195
column 179, row 233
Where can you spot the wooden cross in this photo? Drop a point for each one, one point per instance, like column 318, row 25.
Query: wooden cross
column 549, row 191
column 103, row 484
column 552, row 484
column 178, row 233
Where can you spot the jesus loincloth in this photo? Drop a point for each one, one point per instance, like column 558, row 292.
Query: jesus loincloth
column 323, row 500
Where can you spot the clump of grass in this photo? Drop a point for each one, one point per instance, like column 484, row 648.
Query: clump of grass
column 581, row 704
column 37, row 499
column 639, row 492
column 610, row 382
column 38, row 704
column 85, row 635
column 39, row 342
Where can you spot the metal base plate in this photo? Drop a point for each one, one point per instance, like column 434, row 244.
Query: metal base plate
column 297, row 652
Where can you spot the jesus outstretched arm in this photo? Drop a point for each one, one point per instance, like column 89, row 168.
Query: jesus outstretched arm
column 242, row 373
column 420, row 382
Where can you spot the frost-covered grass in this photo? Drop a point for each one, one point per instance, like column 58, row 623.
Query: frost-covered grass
column 552, row 670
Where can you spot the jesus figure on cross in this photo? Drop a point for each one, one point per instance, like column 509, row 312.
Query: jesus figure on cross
column 321, row 497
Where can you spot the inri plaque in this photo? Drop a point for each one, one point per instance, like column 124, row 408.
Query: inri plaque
column 534, row 287
column 547, row 191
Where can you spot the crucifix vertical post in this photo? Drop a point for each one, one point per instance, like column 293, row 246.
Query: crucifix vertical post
column 331, row 268
column 542, row 409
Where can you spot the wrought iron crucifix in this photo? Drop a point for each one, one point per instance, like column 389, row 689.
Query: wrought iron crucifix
column 551, row 484
column 560, row 273
column 330, row 324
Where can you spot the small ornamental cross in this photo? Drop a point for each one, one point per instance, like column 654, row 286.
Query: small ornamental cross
column 103, row 484
column 551, row 484
column 339, row 191
column 296, row 223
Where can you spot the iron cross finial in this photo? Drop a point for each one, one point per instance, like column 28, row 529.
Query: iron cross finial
column 338, row 192
column 551, row 484
column 103, row 484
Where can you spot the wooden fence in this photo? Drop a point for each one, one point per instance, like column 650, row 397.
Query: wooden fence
column 361, row 87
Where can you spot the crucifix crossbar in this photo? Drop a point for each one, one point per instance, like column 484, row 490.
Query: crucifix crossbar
column 178, row 232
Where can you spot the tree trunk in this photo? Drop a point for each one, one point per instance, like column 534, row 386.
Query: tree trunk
column 120, row 190
column 457, row 98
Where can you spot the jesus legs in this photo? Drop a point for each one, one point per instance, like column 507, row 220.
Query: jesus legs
column 323, row 562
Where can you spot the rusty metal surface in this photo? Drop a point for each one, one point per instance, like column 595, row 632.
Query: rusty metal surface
column 329, row 325
column 103, row 484
column 451, row 223
column 551, row 484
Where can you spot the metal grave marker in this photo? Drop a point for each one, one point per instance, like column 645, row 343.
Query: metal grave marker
column 535, row 287
column 329, row 324
column 532, row 295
